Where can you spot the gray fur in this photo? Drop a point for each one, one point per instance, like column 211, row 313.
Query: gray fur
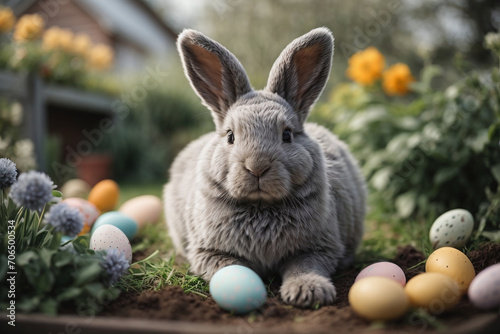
column 302, row 218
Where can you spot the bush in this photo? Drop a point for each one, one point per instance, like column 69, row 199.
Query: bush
column 427, row 153
column 148, row 139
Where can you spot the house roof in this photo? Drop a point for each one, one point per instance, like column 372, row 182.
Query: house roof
column 134, row 20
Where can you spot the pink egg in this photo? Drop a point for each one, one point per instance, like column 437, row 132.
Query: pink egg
column 384, row 269
column 484, row 290
column 89, row 211
column 111, row 237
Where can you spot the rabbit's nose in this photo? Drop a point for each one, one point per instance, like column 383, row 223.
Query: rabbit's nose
column 258, row 172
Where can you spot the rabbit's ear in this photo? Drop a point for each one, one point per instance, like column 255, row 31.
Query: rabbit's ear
column 214, row 72
column 301, row 71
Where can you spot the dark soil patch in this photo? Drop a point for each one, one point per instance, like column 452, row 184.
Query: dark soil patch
column 173, row 304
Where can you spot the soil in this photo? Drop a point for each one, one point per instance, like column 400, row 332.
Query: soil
column 173, row 304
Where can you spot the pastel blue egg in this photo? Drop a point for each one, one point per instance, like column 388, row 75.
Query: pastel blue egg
column 65, row 239
column 126, row 224
column 238, row 289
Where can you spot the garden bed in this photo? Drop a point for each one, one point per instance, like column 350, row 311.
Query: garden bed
column 171, row 310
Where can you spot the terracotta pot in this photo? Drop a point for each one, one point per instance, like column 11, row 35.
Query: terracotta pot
column 95, row 168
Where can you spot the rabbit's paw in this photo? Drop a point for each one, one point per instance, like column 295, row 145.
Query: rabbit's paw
column 308, row 290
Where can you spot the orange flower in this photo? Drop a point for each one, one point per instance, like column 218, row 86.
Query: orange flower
column 81, row 44
column 57, row 38
column 7, row 19
column 29, row 28
column 100, row 57
column 366, row 66
column 397, row 79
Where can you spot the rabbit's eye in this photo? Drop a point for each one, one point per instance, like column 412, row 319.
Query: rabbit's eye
column 287, row 136
column 230, row 137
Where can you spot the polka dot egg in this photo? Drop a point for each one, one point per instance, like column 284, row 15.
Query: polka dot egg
column 452, row 229
column 107, row 237
column 238, row 289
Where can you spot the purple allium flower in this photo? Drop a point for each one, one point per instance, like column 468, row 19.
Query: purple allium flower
column 115, row 264
column 65, row 219
column 8, row 173
column 32, row 190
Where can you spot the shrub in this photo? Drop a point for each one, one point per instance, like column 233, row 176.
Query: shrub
column 429, row 152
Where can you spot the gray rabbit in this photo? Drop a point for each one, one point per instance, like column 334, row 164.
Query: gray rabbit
column 266, row 190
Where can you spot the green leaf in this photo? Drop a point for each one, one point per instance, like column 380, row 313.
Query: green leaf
column 3, row 267
column 492, row 235
column 57, row 194
column 69, row 293
column 28, row 304
column 88, row 273
column 495, row 170
column 62, row 258
column 445, row 174
column 405, row 204
column 49, row 306
column 25, row 258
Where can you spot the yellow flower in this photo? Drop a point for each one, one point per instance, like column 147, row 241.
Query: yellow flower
column 81, row 44
column 56, row 38
column 29, row 28
column 397, row 79
column 100, row 57
column 7, row 19
column 366, row 66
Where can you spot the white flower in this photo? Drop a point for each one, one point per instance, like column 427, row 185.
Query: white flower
column 492, row 40
column 24, row 154
column 16, row 113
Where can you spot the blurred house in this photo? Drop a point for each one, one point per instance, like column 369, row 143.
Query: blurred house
column 66, row 117
column 131, row 27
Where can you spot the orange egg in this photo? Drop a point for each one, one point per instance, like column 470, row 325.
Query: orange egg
column 453, row 263
column 85, row 229
column 105, row 195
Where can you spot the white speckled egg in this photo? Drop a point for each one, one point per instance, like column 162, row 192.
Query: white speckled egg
column 143, row 209
column 108, row 236
column 238, row 289
column 452, row 229
column 384, row 269
column 484, row 290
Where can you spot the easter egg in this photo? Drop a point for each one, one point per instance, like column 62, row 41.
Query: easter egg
column 238, row 289
column 436, row 292
column 384, row 269
column 484, row 290
column 104, row 195
column 75, row 188
column 453, row 263
column 65, row 239
column 107, row 237
column 85, row 229
column 378, row 298
column 88, row 210
column 126, row 224
column 143, row 209
column 452, row 229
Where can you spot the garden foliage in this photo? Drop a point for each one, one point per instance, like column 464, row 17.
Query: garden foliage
column 428, row 152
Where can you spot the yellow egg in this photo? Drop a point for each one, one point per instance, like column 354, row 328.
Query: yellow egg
column 104, row 195
column 378, row 298
column 434, row 291
column 453, row 263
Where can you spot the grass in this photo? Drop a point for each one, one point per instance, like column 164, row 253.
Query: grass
column 383, row 235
